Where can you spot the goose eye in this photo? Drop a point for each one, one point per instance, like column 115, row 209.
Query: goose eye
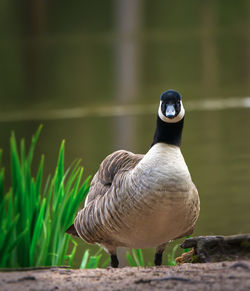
column 178, row 104
column 163, row 107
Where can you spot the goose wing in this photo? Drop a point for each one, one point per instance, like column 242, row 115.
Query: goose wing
column 109, row 168
column 113, row 164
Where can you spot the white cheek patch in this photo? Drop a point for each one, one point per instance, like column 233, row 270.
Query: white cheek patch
column 171, row 120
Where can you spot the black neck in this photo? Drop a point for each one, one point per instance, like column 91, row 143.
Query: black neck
column 169, row 133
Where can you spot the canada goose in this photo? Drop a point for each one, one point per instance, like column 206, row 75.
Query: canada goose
column 142, row 201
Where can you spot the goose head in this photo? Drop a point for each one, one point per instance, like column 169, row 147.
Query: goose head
column 171, row 109
column 170, row 119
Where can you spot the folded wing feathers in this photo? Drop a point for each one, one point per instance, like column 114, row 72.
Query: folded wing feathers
column 119, row 160
column 112, row 165
column 100, row 219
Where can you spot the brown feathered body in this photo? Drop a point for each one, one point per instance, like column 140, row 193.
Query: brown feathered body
column 139, row 201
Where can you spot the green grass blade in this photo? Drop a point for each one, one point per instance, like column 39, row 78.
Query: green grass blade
column 8, row 235
column 10, row 247
column 131, row 261
column 71, row 256
column 106, row 263
column 45, row 238
column 85, row 259
column 93, row 262
column 8, row 203
column 135, row 257
column 39, row 176
column 60, row 167
column 171, row 256
column 23, row 151
column 33, row 144
column 17, row 179
column 140, row 257
column 37, row 232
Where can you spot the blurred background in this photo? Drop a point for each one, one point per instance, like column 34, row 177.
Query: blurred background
column 92, row 72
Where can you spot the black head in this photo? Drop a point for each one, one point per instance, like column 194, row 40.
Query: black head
column 170, row 119
column 171, row 108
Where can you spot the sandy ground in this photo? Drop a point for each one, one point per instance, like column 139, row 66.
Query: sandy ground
column 208, row 276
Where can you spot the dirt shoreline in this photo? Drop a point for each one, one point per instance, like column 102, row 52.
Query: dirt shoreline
column 208, row 276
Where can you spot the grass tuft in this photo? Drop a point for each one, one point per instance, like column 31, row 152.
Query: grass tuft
column 92, row 262
column 33, row 217
column 136, row 258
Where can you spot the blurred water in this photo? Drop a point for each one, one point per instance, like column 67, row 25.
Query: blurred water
column 94, row 78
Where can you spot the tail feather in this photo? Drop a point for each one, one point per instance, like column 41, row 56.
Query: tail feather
column 71, row 230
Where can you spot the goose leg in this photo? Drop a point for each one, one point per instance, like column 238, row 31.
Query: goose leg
column 114, row 261
column 158, row 254
column 111, row 250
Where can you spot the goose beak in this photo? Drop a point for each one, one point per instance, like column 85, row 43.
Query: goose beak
column 170, row 111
